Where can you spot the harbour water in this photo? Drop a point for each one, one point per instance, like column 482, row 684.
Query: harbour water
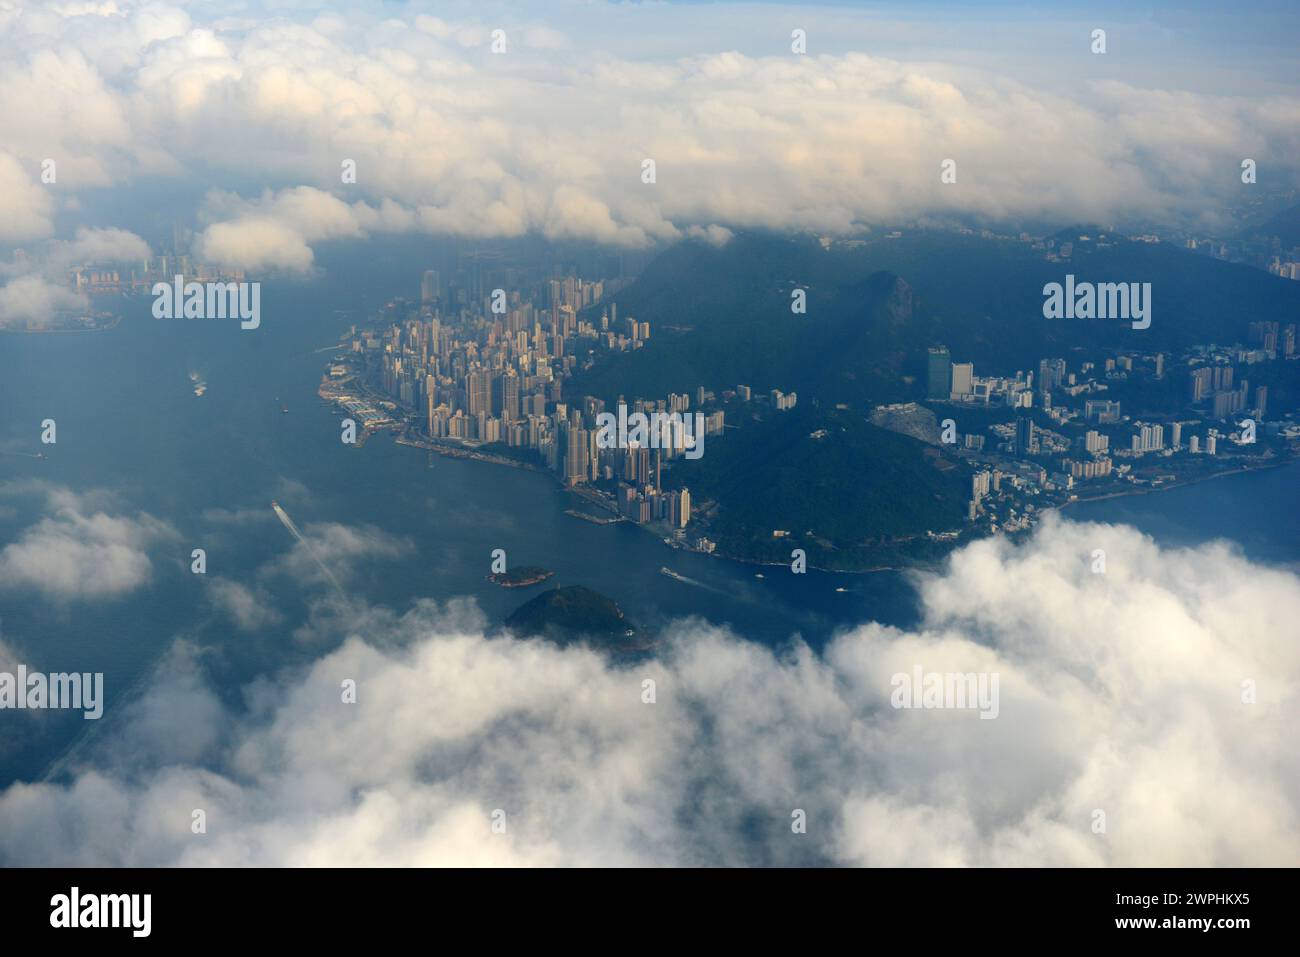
column 134, row 437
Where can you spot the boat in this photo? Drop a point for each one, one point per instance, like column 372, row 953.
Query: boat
column 759, row 575
column 672, row 574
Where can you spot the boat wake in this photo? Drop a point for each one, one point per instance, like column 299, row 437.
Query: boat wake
column 287, row 522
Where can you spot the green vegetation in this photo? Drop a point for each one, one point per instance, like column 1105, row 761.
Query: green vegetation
column 521, row 576
column 860, row 496
column 722, row 316
column 854, row 497
column 573, row 613
column 1284, row 227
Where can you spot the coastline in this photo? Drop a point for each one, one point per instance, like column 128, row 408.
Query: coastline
column 117, row 320
column 595, row 498
column 1185, row 483
column 909, row 566
column 459, row 452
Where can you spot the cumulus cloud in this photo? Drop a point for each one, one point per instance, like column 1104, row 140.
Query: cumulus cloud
column 34, row 300
column 82, row 552
column 713, row 235
column 274, row 232
column 97, row 246
column 249, row 609
column 449, row 138
column 1119, row 692
column 26, row 209
column 255, row 243
column 36, row 292
column 339, row 548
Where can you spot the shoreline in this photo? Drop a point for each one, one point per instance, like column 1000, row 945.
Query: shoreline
column 117, row 321
column 592, row 496
column 457, row 452
column 1185, row 483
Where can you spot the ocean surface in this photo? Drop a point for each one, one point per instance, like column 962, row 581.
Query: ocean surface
column 130, row 427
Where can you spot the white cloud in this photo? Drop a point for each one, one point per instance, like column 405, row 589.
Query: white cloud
column 33, row 300
column 449, row 138
column 97, row 246
column 25, row 207
column 339, row 548
column 713, row 235
column 249, row 609
column 274, row 232
column 36, row 291
column 1119, row 692
column 80, row 552
column 255, row 243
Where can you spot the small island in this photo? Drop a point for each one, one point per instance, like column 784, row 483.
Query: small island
column 521, row 577
column 574, row 613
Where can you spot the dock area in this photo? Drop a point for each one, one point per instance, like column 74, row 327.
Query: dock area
column 595, row 519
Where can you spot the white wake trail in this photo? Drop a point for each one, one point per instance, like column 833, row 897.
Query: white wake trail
column 287, row 522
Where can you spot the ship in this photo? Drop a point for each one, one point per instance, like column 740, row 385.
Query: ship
column 672, row 574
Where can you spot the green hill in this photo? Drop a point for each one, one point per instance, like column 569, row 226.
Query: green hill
column 574, row 613
column 1284, row 227
column 721, row 316
column 850, row 494
column 859, row 496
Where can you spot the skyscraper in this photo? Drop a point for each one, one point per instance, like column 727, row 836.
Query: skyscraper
column 1200, row 384
column 1024, row 435
column 963, row 377
column 478, row 391
column 575, row 455
column 1051, row 373
column 939, row 383
column 1148, row 438
column 679, row 508
column 507, row 396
